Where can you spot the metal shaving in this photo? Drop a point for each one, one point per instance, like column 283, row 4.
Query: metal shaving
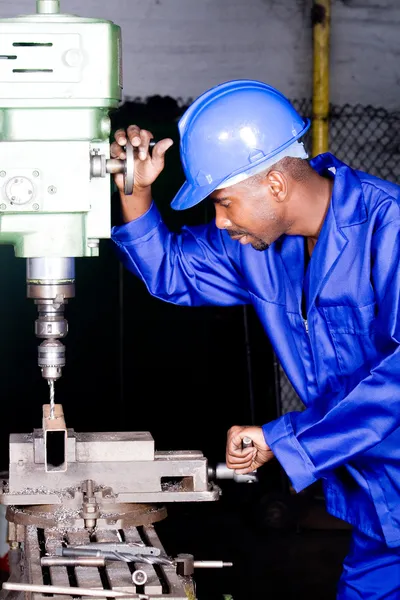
column 62, row 494
column 172, row 487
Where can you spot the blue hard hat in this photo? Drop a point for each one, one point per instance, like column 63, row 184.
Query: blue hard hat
column 230, row 128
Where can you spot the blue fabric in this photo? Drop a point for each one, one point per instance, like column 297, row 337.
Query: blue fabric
column 371, row 571
column 346, row 369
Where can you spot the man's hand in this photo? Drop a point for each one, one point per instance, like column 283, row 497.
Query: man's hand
column 245, row 460
column 147, row 168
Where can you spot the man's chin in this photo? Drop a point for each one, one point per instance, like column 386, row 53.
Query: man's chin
column 260, row 245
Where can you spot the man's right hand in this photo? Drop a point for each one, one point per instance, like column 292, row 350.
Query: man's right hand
column 147, row 168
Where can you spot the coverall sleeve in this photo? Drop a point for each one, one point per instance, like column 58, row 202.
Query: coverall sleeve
column 309, row 445
column 191, row 268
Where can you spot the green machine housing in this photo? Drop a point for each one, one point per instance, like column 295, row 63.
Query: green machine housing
column 60, row 75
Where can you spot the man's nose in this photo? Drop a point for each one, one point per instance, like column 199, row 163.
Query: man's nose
column 221, row 220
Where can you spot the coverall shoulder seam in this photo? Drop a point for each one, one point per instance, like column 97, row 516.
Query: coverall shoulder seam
column 387, row 194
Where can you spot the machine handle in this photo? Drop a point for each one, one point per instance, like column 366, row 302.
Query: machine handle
column 129, row 166
column 100, row 166
column 247, row 442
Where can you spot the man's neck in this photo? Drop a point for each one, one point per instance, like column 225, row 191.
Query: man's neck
column 313, row 203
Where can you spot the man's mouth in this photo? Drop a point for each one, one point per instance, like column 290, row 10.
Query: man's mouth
column 236, row 235
column 242, row 238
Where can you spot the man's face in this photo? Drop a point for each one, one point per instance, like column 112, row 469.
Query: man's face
column 250, row 214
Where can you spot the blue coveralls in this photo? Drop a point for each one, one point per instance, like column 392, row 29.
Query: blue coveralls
column 343, row 362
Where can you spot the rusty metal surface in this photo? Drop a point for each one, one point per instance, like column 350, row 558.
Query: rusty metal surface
column 162, row 582
column 116, row 517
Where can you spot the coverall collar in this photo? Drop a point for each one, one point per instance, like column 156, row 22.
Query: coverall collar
column 347, row 198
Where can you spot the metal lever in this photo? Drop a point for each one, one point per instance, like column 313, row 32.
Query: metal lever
column 77, row 592
column 247, row 442
column 221, row 471
column 185, row 564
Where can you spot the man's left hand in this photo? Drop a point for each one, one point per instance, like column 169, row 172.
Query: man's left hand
column 246, row 460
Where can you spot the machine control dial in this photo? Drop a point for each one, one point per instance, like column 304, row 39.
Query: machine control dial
column 20, row 190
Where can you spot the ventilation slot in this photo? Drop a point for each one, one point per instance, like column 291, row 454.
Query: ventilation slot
column 8, row 56
column 32, row 70
column 31, row 44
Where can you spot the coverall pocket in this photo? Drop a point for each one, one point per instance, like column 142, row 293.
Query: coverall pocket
column 352, row 332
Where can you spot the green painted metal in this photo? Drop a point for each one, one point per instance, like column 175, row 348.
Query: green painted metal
column 60, row 76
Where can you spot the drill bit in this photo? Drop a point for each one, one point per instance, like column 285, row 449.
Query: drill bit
column 51, row 385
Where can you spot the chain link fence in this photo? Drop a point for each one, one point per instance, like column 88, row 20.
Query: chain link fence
column 366, row 138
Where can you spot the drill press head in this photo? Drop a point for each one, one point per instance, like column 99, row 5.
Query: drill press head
column 54, row 130
column 51, row 282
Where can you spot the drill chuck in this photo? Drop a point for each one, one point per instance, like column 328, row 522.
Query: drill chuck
column 51, row 358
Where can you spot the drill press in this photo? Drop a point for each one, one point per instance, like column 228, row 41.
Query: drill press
column 60, row 76
column 81, row 507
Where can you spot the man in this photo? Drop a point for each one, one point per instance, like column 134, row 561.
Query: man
column 315, row 248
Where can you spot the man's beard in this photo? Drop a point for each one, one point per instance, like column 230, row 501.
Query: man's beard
column 260, row 245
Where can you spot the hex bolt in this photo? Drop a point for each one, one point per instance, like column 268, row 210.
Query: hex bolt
column 35, row 206
column 52, row 189
column 3, row 173
column 35, row 173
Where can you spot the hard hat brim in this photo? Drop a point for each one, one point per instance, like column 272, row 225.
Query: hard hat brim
column 189, row 195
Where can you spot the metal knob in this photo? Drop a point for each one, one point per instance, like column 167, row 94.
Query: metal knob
column 247, row 442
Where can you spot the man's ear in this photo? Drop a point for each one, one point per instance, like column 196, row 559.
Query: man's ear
column 278, row 185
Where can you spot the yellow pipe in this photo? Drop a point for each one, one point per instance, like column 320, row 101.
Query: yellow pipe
column 320, row 104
